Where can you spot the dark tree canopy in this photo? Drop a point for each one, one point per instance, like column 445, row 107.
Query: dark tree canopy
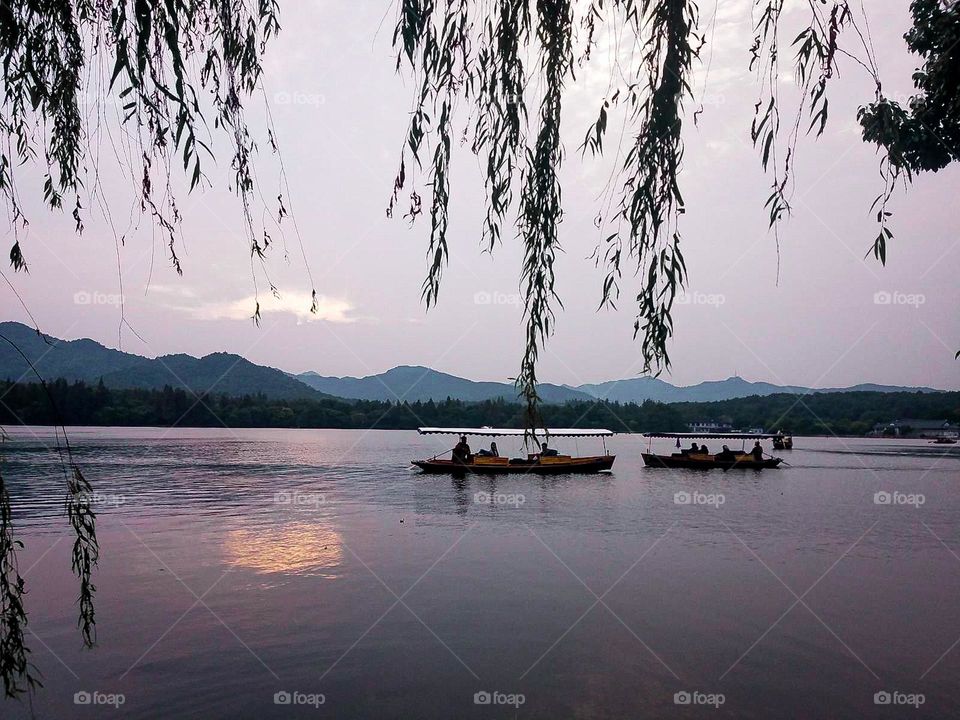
column 926, row 134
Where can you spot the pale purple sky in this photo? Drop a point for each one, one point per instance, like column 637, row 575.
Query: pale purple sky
column 340, row 112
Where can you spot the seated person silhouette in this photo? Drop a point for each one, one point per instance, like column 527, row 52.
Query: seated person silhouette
column 547, row 451
column 726, row 454
column 492, row 452
column 694, row 449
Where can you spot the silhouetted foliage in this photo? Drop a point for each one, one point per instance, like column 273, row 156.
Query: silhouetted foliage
column 474, row 54
column 924, row 136
column 74, row 70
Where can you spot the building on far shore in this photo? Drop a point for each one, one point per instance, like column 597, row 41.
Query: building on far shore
column 911, row 427
column 710, row 426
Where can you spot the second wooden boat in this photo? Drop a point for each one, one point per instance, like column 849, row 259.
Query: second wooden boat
column 694, row 458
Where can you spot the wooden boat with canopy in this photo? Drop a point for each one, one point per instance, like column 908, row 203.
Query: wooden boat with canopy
column 551, row 462
column 690, row 460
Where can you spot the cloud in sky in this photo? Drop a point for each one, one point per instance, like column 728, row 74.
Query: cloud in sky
column 331, row 309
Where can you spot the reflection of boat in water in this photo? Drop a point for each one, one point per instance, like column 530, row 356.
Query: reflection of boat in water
column 695, row 459
column 545, row 462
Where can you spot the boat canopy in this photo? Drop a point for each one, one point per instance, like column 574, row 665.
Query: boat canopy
column 718, row 436
column 515, row 432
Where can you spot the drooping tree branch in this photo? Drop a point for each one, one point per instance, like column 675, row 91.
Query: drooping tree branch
column 169, row 76
column 17, row 672
column 650, row 80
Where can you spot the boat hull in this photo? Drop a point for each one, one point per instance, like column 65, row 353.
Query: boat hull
column 707, row 462
column 585, row 465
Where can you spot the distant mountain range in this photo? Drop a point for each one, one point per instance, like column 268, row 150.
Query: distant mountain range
column 90, row 361
column 421, row 383
column 234, row 375
column 649, row 388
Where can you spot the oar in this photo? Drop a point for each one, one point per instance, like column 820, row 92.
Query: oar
column 444, row 452
column 780, row 459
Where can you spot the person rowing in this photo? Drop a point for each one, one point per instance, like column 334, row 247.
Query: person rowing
column 461, row 452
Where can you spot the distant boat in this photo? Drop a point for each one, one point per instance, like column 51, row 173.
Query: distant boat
column 782, row 442
column 690, row 460
column 943, row 441
column 538, row 463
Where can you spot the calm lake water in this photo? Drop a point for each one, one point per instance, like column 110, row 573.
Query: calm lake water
column 241, row 564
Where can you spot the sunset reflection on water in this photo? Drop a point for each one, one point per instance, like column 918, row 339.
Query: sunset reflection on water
column 299, row 548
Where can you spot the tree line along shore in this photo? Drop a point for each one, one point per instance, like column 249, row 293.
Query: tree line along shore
column 79, row 403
